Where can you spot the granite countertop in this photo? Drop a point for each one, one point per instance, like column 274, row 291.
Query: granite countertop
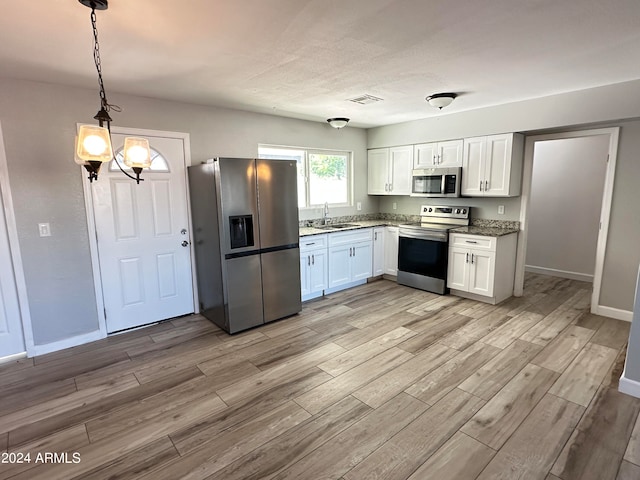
column 485, row 231
column 305, row 231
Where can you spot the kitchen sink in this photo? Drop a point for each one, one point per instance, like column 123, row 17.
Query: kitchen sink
column 336, row 225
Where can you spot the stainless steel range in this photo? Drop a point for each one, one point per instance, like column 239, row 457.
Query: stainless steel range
column 423, row 249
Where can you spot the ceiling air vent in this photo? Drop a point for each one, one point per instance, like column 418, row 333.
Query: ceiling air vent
column 365, row 99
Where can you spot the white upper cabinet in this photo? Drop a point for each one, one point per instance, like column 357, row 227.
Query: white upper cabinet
column 441, row 154
column 389, row 170
column 492, row 165
column 378, row 171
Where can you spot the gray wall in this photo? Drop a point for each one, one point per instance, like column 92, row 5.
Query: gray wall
column 602, row 106
column 565, row 203
column 39, row 122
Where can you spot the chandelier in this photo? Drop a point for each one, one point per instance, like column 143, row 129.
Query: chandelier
column 93, row 142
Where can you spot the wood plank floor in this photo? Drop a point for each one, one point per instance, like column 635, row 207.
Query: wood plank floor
column 380, row 381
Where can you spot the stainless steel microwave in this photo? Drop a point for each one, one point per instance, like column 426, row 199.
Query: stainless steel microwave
column 436, row 182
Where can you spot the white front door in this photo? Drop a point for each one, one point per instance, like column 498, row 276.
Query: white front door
column 11, row 336
column 143, row 241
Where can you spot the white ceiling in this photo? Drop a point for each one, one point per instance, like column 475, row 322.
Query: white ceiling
column 305, row 58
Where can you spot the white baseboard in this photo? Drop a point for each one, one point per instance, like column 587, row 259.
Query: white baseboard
column 583, row 277
column 66, row 343
column 13, row 358
column 628, row 386
column 611, row 312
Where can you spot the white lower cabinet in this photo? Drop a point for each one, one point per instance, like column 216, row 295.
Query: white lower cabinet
column 391, row 251
column 313, row 266
column 481, row 267
column 378, row 250
column 350, row 258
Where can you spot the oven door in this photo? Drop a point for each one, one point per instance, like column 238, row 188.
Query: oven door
column 422, row 261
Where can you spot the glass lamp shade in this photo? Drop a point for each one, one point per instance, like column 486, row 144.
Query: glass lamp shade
column 136, row 152
column 338, row 122
column 441, row 100
column 93, row 144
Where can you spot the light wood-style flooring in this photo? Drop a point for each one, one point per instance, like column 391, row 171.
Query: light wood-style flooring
column 381, row 381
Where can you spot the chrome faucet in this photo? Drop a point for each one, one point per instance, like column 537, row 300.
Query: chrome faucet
column 325, row 220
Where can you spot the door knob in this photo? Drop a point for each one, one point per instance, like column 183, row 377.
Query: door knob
column 183, row 231
column 185, row 243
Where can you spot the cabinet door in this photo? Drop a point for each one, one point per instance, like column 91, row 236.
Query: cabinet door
column 425, row 155
column 401, row 159
column 378, row 251
column 318, row 271
column 450, row 153
column 339, row 265
column 378, row 171
column 482, row 272
column 304, row 274
column 391, row 251
column 498, row 165
column 473, row 166
column 361, row 261
column 458, row 268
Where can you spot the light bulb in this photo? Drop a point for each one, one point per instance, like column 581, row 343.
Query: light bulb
column 137, row 154
column 94, row 145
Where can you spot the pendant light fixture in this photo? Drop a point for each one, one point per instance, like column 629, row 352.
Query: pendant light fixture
column 93, row 143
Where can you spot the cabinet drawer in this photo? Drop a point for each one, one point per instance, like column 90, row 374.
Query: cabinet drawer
column 477, row 242
column 351, row 237
column 311, row 242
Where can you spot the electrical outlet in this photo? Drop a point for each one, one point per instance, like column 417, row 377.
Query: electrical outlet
column 395, row 206
column 44, row 229
column 500, row 209
column 359, row 206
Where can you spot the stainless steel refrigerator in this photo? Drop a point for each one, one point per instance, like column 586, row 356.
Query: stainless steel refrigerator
column 245, row 221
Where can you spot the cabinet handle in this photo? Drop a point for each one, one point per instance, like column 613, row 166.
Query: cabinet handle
column 375, row 235
column 434, row 159
column 312, row 243
column 391, row 187
column 472, row 258
column 486, row 185
column 386, row 187
column 471, row 241
column 467, row 260
column 439, row 159
column 480, row 185
column 313, row 259
column 308, row 260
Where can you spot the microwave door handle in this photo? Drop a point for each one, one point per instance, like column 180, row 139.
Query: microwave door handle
column 443, row 184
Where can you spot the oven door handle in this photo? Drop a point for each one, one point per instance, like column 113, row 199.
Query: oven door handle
column 436, row 237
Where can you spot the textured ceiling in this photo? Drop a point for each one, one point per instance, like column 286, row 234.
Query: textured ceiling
column 305, row 58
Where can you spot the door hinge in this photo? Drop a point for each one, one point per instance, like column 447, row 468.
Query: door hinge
column 607, row 158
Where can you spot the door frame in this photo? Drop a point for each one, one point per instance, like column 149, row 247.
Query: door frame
column 16, row 257
column 605, row 213
column 93, row 233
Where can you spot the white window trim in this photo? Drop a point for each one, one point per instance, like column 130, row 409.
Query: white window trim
column 307, row 151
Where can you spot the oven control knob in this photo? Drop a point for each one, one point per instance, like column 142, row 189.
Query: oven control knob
column 464, row 211
column 430, row 209
column 457, row 210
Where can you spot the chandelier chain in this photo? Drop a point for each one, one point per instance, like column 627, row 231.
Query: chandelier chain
column 96, row 58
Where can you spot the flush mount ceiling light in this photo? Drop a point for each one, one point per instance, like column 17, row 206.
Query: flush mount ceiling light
column 338, row 122
column 441, row 100
column 93, row 143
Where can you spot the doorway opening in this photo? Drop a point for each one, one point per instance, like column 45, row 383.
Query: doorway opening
column 565, row 206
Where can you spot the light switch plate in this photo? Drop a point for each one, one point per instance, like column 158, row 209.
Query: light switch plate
column 359, row 205
column 395, row 206
column 500, row 209
column 44, row 229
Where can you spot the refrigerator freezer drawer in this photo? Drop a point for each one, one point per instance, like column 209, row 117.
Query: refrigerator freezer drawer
column 281, row 283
